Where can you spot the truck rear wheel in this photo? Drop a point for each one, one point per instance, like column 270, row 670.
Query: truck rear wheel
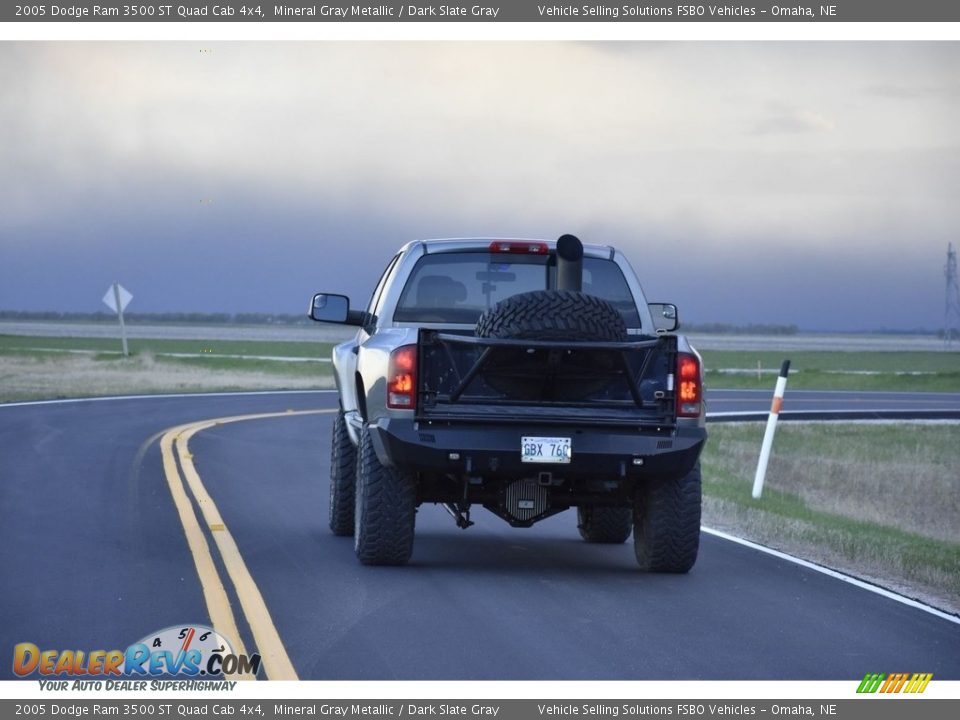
column 604, row 524
column 666, row 523
column 385, row 510
column 343, row 478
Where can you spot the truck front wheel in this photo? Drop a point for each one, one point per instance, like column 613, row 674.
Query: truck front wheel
column 604, row 524
column 343, row 476
column 385, row 510
column 666, row 523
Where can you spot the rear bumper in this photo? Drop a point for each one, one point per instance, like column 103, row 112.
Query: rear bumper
column 494, row 451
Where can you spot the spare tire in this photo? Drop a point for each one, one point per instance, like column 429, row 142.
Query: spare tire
column 551, row 315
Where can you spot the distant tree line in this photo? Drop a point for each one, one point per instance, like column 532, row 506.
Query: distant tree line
column 728, row 329
column 160, row 318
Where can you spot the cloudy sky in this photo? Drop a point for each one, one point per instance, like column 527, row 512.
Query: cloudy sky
column 813, row 183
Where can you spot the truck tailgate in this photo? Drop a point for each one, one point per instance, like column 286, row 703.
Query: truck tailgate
column 471, row 379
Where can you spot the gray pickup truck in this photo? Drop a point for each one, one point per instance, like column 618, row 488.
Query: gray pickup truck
column 525, row 376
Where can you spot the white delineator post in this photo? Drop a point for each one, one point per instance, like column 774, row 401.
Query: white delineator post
column 771, row 429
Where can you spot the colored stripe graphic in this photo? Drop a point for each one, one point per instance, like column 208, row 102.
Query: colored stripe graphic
column 894, row 683
column 870, row 683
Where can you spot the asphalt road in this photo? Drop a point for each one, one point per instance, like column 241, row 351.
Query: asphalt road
column 811, row 402
column 94, row 556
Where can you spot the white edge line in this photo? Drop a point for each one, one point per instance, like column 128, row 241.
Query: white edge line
column 161, row 396
column 862, row 584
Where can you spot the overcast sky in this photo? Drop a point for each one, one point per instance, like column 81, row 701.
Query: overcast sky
column 812, row 183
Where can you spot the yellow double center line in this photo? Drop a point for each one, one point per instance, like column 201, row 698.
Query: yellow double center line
column 276, row 663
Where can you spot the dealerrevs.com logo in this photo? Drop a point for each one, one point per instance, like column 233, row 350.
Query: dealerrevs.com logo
column 894, row 682
column 185, row 650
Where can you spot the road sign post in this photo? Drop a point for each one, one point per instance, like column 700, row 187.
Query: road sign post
column 117, row 298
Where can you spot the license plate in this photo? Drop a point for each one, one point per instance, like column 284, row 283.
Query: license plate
column 545, row 449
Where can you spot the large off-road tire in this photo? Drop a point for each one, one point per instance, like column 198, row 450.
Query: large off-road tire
column 666, row 523
column 385, row 510
column 604, row 524
column 553, row 315
column 343, row 478
column 559, row 315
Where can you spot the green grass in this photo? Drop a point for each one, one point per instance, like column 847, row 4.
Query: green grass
column 878, row 500
column 51, row 373
column 822, row 381
column 109, row 346
column 825, row 360
column 272, row 367
column 204, row 367
column 819, row 370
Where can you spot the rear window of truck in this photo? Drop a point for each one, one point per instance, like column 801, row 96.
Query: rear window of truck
column 459, row 287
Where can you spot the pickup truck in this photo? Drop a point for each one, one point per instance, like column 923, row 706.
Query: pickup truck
column 528, row 377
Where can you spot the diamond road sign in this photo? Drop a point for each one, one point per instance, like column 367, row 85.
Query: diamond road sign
column 110, row 299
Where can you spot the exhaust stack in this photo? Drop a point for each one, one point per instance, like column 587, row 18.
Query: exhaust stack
column 569, row 263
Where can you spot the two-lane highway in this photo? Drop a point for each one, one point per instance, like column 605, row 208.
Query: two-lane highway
column 94, row 555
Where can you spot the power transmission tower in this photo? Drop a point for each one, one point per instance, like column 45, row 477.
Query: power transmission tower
column 951, row 314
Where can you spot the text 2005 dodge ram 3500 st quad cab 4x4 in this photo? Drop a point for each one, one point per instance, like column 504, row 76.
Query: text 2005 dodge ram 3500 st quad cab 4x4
column 525, row 376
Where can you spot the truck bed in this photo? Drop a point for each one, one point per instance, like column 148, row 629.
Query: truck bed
column 465, row 378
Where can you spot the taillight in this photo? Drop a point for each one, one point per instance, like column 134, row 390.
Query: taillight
column 402, row 378
column 689, row 387
column 519, row 246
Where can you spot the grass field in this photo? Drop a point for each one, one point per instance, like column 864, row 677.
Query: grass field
column 881, row 501
column 34, row 368
column 817, row 370
column 111, row 346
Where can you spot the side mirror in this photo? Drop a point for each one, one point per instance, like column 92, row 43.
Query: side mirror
column 665, row 317
column 330, row 308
